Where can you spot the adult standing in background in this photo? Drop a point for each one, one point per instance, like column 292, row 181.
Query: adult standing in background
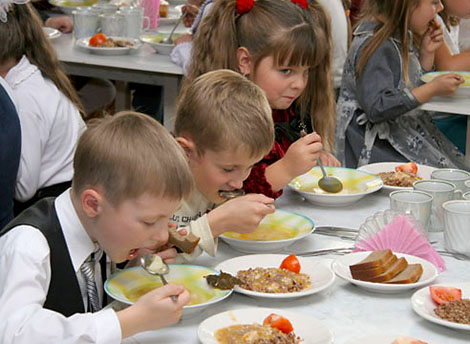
column 10, row 150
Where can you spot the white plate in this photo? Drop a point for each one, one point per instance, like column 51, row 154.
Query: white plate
column 377, row 339
column 51, row 33
column 423, row 304
column 83, row 43
column 301, row 224
column 174, row 13
column 311, row 330
column 68, row 6
column 321, row 276
column 120, row 283
column 423, row 172
column 154, row 40
column 356, row 184
column 341, row 267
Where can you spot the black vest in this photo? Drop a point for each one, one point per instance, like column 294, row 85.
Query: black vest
column 64, row 295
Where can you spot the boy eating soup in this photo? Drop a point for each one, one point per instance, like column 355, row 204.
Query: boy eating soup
column 224, row 125
column 130, row 176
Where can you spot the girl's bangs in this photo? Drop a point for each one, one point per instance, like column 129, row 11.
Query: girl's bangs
column 298, row 47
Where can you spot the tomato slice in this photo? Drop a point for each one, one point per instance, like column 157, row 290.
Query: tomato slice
column 443, row 295
column 279, row 322
column 409, row 167
column 97, row 39
column 291, row 263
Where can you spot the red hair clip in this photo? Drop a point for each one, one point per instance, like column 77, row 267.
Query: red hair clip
column 301, row 3
column 244, row 6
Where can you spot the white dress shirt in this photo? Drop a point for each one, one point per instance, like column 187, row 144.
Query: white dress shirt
column 25, row 275
column 50, row 128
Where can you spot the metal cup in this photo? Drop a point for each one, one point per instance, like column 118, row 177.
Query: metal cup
column 415, row 203
column 441, row 191
column 456, row 226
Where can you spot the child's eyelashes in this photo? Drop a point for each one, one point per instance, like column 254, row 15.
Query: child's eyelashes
column 286, row 71
column 228, row 170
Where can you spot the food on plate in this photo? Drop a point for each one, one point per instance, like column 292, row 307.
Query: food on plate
column 442, row 295
column 223, row 281
column 400, row 179
column 97, row 39
column 457, row 311
column 273, row 280
column 279, row 322
column 407, row 340
column 384, row 267
column 266, row 232
column 275, row 329
column 291, row 263
column 411, row 274
column 163, row 9
column 187, row 243
column 374, row 259
column 409, row 167
column 101, row 41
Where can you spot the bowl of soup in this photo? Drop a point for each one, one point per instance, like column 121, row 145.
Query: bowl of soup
column 275, row 232
column 462, row 91
column 155, row 41
column 356, row 184
column 68, row 6
column 130, row 284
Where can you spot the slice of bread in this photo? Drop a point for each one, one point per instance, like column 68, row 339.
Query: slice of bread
column 187, row 243
column 374, row 259
column 411, row 274
column 391, row 272
column 375, row 271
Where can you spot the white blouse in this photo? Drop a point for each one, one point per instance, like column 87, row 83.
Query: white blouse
column 50, row 128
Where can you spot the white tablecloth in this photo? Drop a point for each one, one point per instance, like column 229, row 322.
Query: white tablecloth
column 349, row 311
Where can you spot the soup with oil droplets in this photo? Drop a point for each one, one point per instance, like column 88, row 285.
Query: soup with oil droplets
column 198, row 295
column 266, row 232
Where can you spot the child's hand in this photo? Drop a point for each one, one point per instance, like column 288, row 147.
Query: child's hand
column 432, row 39
column 328, row 159
column 302, row 155
column 242, row 214
column 154, row 310
column 447, row 84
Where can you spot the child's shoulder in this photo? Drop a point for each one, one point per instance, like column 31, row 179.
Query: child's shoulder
column 24, row 241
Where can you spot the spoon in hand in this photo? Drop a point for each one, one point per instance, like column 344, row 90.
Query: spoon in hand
column 328, row 183
column 154, row 265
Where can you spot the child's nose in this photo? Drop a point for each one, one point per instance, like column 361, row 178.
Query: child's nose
column 299, row 82
column 236, row 184
column 161, row 235
column 440, row 7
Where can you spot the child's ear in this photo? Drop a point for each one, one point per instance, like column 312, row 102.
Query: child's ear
column 91, row 201
column 244, row 60
column 188, row 146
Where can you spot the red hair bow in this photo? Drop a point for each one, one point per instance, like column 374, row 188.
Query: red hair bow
column 244, row 6
column 301, row 3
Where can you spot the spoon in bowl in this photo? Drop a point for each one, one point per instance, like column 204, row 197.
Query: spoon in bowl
column 154, row 265
column 328, row 183
column 169, row 39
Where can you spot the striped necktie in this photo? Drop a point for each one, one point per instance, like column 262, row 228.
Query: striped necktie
column 88, row 271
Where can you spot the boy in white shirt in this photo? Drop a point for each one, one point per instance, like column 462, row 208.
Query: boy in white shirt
column 224, row 124
column 130, row 176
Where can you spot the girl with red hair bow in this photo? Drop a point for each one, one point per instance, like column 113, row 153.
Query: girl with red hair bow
column 284, row 47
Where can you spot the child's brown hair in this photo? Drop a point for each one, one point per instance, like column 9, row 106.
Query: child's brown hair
column 222, row 110
column 22, row 34
column 279, row 28
column 130, row 154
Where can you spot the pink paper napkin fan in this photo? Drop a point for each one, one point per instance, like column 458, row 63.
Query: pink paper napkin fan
column 400, row 233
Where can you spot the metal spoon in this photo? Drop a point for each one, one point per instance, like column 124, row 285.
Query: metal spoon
column 328, row 183
column 169, row 40
column 232, row 194
column 154, row 265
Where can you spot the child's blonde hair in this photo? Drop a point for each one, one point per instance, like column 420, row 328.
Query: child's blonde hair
column 222, row 110
column 22, row 34
column 130, row 154
column 396, row 15
column 279, row 28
